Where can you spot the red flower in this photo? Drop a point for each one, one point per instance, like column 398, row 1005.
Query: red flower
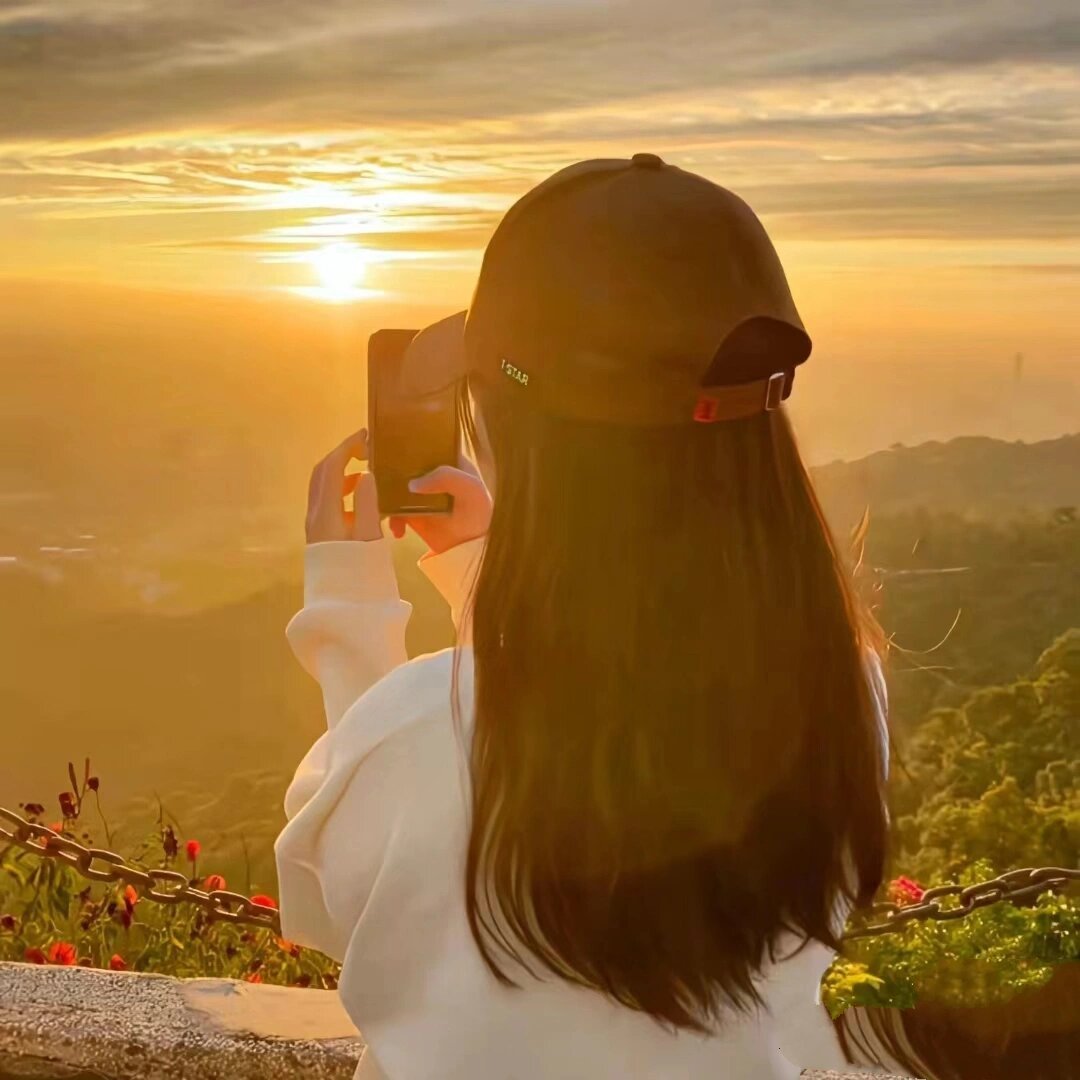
column 92, row 783
column 288, row 946
column 62, row 952
column 117, row 962
column 263, row 900
column 8, row 922
column 214, row 881
column 34, row 956
column 903, row 890
column 57, row 826
column 131, row 898
column 253, row 977
column 192, row 847
column 67, row 804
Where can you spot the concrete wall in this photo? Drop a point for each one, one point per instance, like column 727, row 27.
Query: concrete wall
column 85, row 1024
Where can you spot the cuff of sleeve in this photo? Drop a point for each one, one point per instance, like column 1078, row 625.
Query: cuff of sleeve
column 452, row 571
column 349, row 570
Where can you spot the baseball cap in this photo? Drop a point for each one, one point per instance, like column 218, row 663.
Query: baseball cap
column 628, row 291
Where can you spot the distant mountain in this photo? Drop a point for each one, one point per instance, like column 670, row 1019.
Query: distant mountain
column 972, row 476
column 194, row 689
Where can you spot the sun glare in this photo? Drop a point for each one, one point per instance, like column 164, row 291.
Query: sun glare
column 340, row 267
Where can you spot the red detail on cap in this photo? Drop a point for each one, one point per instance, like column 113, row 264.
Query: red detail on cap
column 705, row 410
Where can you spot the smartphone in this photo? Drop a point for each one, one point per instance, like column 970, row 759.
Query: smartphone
column 409, row 434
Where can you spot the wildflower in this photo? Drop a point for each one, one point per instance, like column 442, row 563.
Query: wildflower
column 168, row 842
column 57, row 826
column 34, row 809
column 92, row 783
column 263, row 900
column 62, row 952
column 117, row 963
column 8, row 922
column 67, row 805
column 903, row 890
column 214, row 881
column 288, row 946
column 253, row 977
column 303, row 980
column 34, row 956
column 192, row 848
column 131, row 898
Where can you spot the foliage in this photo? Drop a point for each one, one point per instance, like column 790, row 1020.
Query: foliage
column 985, row 957
column 49, row 913
column 993, row 785
column 997, row 778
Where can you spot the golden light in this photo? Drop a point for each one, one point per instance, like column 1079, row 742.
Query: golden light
column 340, row 267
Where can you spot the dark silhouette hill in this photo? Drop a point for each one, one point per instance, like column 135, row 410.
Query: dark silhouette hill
column 973, row 476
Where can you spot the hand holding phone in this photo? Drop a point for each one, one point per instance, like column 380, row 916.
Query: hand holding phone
column 412, row 417
column 468, row 519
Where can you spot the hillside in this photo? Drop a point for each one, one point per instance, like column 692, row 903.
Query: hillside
column 199, row 699
column 972, row 476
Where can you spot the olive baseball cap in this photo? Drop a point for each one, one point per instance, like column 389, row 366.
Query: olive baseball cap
column 628, row 291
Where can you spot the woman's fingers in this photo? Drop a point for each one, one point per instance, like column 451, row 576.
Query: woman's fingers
column 353, row 446
column 443, row 479
column 364, row 521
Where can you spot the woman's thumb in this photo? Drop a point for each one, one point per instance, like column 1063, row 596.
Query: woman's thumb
column 438, row 480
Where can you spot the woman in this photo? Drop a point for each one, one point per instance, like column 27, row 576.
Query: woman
column 590, row 840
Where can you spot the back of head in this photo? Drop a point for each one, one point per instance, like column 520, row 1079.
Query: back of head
column 675, row 746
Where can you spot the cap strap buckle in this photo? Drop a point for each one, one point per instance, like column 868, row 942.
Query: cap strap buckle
column 774, row 391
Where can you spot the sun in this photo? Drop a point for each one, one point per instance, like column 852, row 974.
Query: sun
column 340, row 267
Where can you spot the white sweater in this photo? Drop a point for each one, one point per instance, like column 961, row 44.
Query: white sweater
column 371, row 870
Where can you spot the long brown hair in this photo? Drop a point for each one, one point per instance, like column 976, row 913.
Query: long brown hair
column 675, row 742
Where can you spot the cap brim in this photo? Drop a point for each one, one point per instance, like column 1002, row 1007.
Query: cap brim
column 435, row 359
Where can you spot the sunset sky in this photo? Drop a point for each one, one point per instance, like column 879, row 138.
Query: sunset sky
column 917, row 164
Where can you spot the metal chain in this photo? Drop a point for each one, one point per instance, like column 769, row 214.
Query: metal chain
column 1013, row 886
column 162, row 886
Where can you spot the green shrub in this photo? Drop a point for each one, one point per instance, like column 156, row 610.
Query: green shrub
column 984, row 957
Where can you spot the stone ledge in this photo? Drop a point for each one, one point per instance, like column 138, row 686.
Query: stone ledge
column 73, row 1023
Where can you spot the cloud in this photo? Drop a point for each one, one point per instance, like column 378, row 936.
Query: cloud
column 837, row 119
column 77, row 69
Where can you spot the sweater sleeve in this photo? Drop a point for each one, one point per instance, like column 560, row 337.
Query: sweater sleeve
column 453, row 572
column 348, row 635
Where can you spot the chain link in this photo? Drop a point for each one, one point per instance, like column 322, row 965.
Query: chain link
column 162, row 886
column 1013, row 886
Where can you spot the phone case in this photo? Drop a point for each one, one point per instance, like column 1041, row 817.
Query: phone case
column 408, row 435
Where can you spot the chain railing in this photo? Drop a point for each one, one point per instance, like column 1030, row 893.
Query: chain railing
column 162, row 886
column 1013, row 886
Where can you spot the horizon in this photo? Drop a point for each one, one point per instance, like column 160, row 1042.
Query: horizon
column 916, row 170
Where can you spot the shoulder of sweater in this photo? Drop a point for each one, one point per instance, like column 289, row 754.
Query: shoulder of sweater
column 407, row 696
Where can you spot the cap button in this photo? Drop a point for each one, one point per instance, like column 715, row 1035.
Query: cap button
column 647, row 161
